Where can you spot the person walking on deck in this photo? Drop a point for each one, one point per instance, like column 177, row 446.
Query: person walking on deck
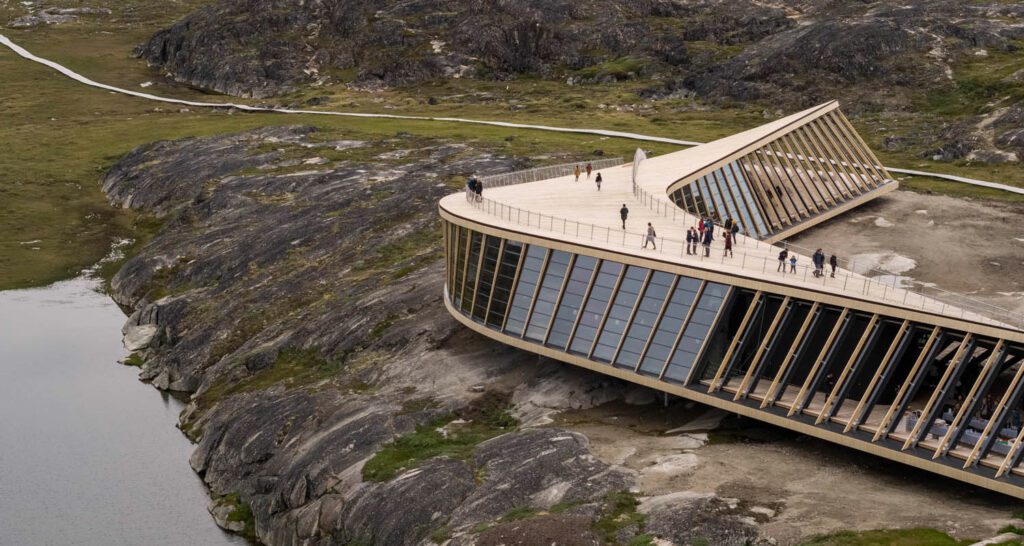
column 728, row 244
column 708, row 224
column 834, row 263
column 708, row 238
column 590, row 169
column 651, row 235
column 700, row 230
column 782, row 260
column 689, row 241
column 597, row 179
column 471, row 188
column 818, row 258
column 735, row 232
column 728, row 224
column 623, row 212
column 792, row 264
column 576, row 172
column 479, row 191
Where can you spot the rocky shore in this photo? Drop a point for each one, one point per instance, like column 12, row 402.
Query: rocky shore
column 294, row 292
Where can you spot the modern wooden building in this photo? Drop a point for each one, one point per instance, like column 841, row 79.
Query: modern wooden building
column 910, row 373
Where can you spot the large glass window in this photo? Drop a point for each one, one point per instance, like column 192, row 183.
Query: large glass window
column 517, row 312
column 503, row 285
column 670, row 326
column 547, row 297
column 461, row 245
column 618, row 317
column 644, row 319
column 483, row 292
column 476, row 241
column 572, row 300
column 593, row 311
column 696, row 331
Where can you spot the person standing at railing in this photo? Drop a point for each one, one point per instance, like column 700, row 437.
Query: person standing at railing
column 471, row 188
column 728, row 224
column 576, row 172
column 735, row 232
column 691, row 236
column 819, row 262
column 728, row 243
column 651, row 236
column 709, row 237
column 792, row 264
column 590, row 169
column 782, row 260
column 597, row 180
column 479, row 191
column 623, row 212
column 834, row 263
column 700, row 230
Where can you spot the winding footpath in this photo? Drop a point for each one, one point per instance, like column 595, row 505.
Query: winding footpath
column 24, row 53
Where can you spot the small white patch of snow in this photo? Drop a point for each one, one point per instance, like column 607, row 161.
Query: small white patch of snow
column 882, row 222
column 145, row 84
column 922, row 211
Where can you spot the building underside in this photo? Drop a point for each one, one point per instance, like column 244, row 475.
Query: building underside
column 544, row 266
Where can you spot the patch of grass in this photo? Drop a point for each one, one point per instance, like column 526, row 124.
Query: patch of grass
column 518, row 513
column 642, row 540
column 564, row 506
column 241, row 512
column 480, row 527
column 417, row 405
column 293, row 367
column 486, row 418
column 378, row 329
column 618, row 513
column 441, row 535
column 891, row 537
column 133, row 360
column 1012, row 529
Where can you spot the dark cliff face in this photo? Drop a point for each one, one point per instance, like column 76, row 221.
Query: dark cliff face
column 872, row 54
column 262, row 48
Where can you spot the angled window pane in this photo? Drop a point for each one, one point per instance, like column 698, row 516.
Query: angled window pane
column 670, row 325
column 618, row 316
column 572, row 301
column 547, row 297
column 595, row 307
column 483, row 291
column 503, row 284
column 476, row 242
column 697, row 329
column 524, row 290
column 643, row 322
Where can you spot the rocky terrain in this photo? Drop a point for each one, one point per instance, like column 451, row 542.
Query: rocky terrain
column 877, row 57
column 299, row 302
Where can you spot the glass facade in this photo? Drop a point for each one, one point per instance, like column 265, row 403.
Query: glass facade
column 903, row 384
column 802, row 173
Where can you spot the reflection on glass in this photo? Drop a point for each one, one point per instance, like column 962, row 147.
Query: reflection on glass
column 595, row 307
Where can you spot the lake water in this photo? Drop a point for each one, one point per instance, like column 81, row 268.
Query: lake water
column 88, row 454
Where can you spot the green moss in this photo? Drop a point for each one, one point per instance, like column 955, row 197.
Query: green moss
column 892, row 537
column 564, row 506
column 293, row 367
column 378, row 329
column 618, row 513
column 518, row 513
column 1012, row 529
column 133, row 359
column 417, row 405
column 618, row 68
column 441, row 535
column 480, row 527
column 643, row 540
column 241, row 512
column 485, row 420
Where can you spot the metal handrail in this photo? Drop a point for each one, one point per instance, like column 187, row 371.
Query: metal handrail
column 545, row 173
column 855, row 283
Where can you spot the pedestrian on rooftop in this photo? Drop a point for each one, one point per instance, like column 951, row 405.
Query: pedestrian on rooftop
column 624, row 212
column 651, row 235
column 709, row 236
column 690, row 235
column 735, row 232
column 576, row 172
column 590, row 168
column 597, row 179
column 792, row 263
column 782, row 260
column 834, row 263
column 728, row 243
column 470, row 188
column 479, row 191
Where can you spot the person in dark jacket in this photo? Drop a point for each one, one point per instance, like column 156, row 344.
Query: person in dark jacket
column 708, row 238
column 471, row 188
column 728, row 243
column 689, row 241
column 735, row 232
column 834, row 262
column 623, row 212
column 782, row 260
column 479, row 191
column 597, row 179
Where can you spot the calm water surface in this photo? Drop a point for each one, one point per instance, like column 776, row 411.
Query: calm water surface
column 88, row 454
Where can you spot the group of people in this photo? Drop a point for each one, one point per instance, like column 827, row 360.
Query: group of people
column 818, row 259
column 588, row 168
column 474, row 189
